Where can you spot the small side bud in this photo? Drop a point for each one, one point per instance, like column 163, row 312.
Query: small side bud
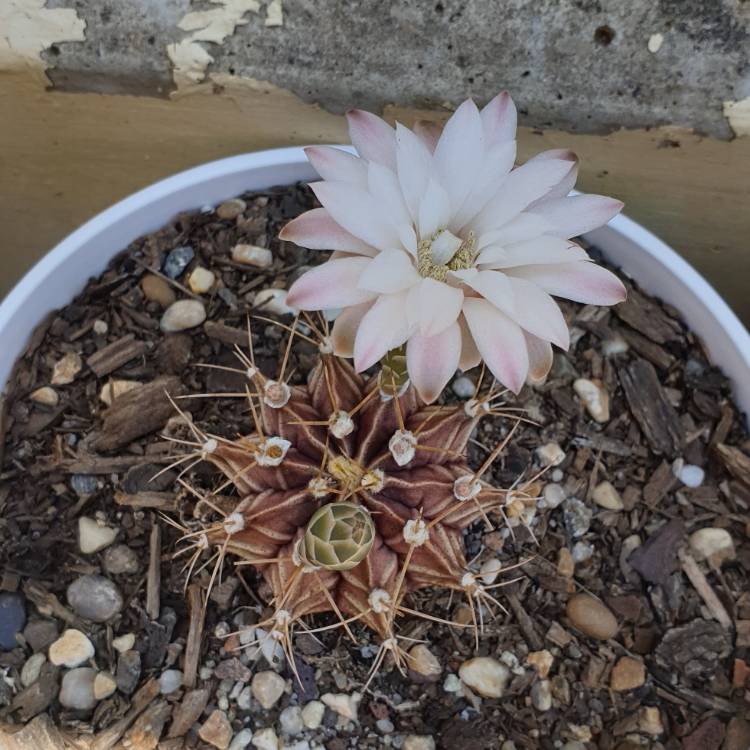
column 209, row 447
column 318, row 487
column 403, row 446
column 373, row 481
column 474, row 408
column 325, row 347
column 234, row 523
column 466, row 487
column 380, row 601
column 272, row 451
column 416, row 532
column 340, row 424
column 276, row 394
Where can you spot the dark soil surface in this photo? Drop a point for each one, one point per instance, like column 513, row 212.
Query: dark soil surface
column 684, row 618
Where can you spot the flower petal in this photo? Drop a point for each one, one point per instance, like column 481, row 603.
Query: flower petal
column 330, row 285
column 373, row 137
column 577, row 214
column 540, row 358
column 316, row 230
column 500, row 342
column 433, row 305
column 583, row 281
column 334, row 164
column 383, row 327
column 543, row 249
column 523, row 185
column 499, row 120
column 433, row 360
column 494, row 286
column 388, row 272
column 429, row 132
column 523, row 227
column 568, row 182
column 384, row 187
column 414, row 167
column 345, row 329
column 459, row 152
column 354, row 209
column 434, row 210
column 537, row 313
column 470, row 356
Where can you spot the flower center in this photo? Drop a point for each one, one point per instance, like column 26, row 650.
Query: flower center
column 444, row 252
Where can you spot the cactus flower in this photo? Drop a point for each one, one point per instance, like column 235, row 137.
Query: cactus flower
column 443, row 246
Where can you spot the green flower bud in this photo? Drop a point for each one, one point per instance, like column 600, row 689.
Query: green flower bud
column 338, row 537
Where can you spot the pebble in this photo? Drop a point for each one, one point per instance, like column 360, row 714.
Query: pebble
column 606, row 496
column 128, row 671
column 12, row 619
column 71, row 649
column 490, row 570
column 77, row 691
column 273, row 301
column 241, row 740
column 183, row 314
column 39, row 634
column 100, row 327
column 576, row 517
column 541, row 661
column 550, row 454
column 290, row 721
column 424, row 662
column 573, row 745
column 565, row 564
column 124, row 643
column 627, row 674
column 384, row 726
column 654, row 42
column 485, row 675
column 581, row 552
column 104, row 685
column 157, row 290
column 712, row 544
column 32, row 668
column 343, row 704
column 170, row 681
column 612, row 347
column 217, row 730
column 649, row 721
column 312, row 714
column 418, row 742
column 689, row 474
column 120, row 560
column 553, row 495
column 266, row 739
column 252, row 255
column 452, row 684
column 463, row 387
column 93, row 536
column 267, row 688
column 231, row 209
column 84, row 484
column 591, row 617
column 594, row 397
column 66, row 369
column 177, row 261
column 46, row 396
column 201, row 280
column 95, row 598
column 541, row 695
column 116, row 388
column 244, row 699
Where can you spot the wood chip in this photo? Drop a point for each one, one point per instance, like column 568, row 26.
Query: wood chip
column 649, row 405
column 195, row 634
column 656, row 560
column 39, row 734
column 138, row 413
column 153, row 581
column 226, row 334
column 108, row 738
column 703, row 587
column 648, row 318
column 736, row 462
column 116, row 354
column 165, row 501
column 188, row 712
column 659, row 484
column 525, row 622
column 654, row 353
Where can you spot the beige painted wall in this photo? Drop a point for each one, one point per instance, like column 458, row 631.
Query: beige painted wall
column 65, row 156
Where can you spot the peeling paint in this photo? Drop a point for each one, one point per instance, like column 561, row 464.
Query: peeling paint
column 274, row 14
column 27, row 28
column 738, row 114
column 189, row 58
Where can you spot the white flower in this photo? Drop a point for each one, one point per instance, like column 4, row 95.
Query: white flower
column 441, row 244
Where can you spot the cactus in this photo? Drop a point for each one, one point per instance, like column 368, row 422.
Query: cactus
column 351, row 494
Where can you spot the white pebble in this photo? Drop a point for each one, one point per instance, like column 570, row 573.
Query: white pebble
column 93, row 536
column 343, row 704
column 273, row 301
column 116, row 388
column 100, row 327
column 617, row 345
column 245, row 698
column 290, row 720
column 713, row 544
column 550, row 454
column 581, row 552
column 689, row 474
column 541, row 695
column 32, row 668
column 183, row 314
column 71, row 649
column 66, row 369
column 201, row 280
column 252, row 255
column 241, row 740
column 654, row 43
column 312, row 714
column 463, row 387
column 46, row 396
column 490, row 570
column 418, row 742
column 485, row 675
column 170, row 681
column 595, row 398
column 553, row 495
column 452, row 684
column 104, row 685
column 384, row 726
column 77, row 691
column 266, row 739
column 606, row 496
column 267, row 688
column 124, row 643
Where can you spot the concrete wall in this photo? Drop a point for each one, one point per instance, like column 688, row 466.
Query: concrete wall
column 100, row 97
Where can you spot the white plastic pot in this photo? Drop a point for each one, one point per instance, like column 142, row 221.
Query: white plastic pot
column 62, row 273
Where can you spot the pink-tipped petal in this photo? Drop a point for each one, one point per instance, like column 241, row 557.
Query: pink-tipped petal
column 383, row 327
column 384, row 187
column 583, row 281
column 332, row 285
column 432, row 361
column 537, row 313
column 433, row 306
column 470, row 356
column 345, row 329
column 568, row 182
column 542, row 249
column 500, row 341
column 388, row 272
column 334, row 164
column 523, row 185
column 414, row 167
column 525, row 226
column 429, row 132
column 540, row 358
column 460, row 151
column 577, row 214
column 373, row 137
column 499, row 120
column 316, row 230
column 354, row 209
